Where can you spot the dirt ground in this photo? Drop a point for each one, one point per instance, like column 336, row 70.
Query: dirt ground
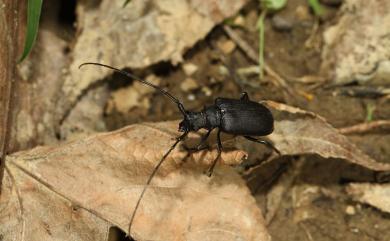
column 315, row 205
column 328, row 215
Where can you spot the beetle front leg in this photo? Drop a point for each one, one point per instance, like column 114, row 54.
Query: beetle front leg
column 203, row 140
column 264, row 143
column 244, row 96
column 200, row 146
column 219, row 148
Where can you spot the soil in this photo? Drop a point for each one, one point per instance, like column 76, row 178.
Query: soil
column 292, row 53
column 286, row 53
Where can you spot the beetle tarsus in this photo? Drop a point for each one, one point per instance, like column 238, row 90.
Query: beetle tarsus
column 202, row 141
column 219, row 148
column 269, row 145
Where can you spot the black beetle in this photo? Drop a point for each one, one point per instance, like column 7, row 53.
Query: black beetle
column 241, row 117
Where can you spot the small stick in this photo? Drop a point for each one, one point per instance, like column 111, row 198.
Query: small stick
column 252, row 55
column 365, row 127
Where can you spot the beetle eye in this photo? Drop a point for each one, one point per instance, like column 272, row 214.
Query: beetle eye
column 182, row 126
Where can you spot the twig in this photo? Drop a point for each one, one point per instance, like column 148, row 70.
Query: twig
column 365, row 127
column 364, row 91
column 252, row 55
column 305, row 229
column 309, row 43
column 260, row 26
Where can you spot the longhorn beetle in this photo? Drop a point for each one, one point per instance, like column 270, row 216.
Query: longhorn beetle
column 241, row 117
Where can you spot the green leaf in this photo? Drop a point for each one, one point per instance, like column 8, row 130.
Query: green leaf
column 370, row 108
column 274, row 5
column 317, row 7
column 33, row 13
column 126, row 2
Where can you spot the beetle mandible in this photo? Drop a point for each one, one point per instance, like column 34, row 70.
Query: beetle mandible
column 240, row 117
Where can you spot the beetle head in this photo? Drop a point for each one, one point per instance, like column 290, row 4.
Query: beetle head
column 193, row 121
column 184, row 125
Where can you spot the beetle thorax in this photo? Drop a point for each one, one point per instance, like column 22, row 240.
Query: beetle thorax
column 193, row 121
column 209, row 118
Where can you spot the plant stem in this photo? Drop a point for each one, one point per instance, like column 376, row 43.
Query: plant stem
column 260, row 26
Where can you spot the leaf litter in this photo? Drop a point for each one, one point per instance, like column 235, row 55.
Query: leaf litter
column 298, row 132
column 376, row 195
column 140, row 35
column 93, row 184
column 302, row 132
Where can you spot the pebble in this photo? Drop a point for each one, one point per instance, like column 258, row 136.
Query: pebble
column 190, row 68
column 281, row 24
column 302, row 13
column 189, row 84
column 222, row 70
column 226, row 46
column 239, row 21
column 207, row 91
column 350, row 210
column 191, row 97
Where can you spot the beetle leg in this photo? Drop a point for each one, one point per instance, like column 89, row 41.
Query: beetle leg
column 200, row 146
column 219, row 148
column 244, row 96
column 264, row 143
column 203, row 140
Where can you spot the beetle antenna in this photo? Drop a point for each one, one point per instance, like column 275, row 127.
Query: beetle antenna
column 174, row 99
column 180, row 138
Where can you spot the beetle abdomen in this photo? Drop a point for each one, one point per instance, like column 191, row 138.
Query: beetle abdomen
column 246, row 118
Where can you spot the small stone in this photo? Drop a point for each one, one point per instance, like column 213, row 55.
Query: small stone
column 302, row 13
column 222, row 70
column 239, row 21
column 350, row 210
column 355, row 230
column 189, row 84
column 190, row 68
column 207, row 91
column 226, row 46
column 191, row 97
column 281, row 24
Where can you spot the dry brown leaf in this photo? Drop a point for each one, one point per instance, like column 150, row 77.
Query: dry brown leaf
column 357, row 48
column 277, row 192
column 377, row 195
column 135, row 95
column 139, row 35
column 78, row 190
column 298, row 131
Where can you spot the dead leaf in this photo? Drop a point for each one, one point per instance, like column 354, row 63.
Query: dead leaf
column 78, row 190
column 298, row 132
column 377, row 195
column 86, row 116
column 277, row 192
column 357, row 48
column 135, row 95
column 139, row 35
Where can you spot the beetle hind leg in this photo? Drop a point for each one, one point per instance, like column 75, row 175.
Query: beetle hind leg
column 219, row 148
column 264, row 143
